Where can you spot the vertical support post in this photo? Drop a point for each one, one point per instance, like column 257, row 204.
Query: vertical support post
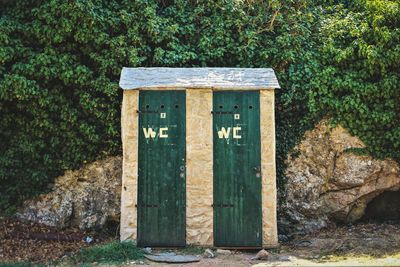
column 267, row 124
column 130, row 139
column 199, row 172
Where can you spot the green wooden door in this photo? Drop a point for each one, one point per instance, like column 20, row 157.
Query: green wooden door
column 162, row 157
column 237, row 171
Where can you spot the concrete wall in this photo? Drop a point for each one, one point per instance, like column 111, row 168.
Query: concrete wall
column 199, row 167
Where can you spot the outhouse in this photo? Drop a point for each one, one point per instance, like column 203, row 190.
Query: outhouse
column 199, row 157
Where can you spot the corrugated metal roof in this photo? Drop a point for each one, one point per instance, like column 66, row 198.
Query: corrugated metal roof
column 218, row 78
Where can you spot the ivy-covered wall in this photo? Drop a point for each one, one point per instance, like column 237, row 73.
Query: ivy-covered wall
column 60, row 64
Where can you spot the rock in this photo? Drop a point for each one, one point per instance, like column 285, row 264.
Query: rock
column 326, row 183
column 172, row 258
column 166, row 254
column 283, row 257
column 147, row 250
column 86, row 198
column 261, row 255
column 208, row 253
column 303, row 243
column 224, row 252
column 88, row 239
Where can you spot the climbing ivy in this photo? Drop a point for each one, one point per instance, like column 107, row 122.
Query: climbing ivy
column 358, row 83
column 60, row 63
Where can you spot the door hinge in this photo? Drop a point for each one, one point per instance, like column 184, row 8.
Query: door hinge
column 222, row 112
column 222, row 205
column 147, row 111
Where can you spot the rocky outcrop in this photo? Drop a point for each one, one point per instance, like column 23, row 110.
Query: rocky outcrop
column 86, row 198
column 327, row 182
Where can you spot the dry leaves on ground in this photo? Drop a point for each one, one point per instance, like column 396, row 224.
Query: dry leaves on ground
column 34, row 243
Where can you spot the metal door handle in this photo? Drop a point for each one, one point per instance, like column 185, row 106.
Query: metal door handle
column 182, row 171
column 257, row 169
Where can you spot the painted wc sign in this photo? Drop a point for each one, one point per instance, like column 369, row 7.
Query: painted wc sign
column 150, row 133
column 199, row 157
column 225, row 132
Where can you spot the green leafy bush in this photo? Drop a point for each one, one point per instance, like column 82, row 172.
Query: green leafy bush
column 358, row 83
column 60, row 63
column 21, row 264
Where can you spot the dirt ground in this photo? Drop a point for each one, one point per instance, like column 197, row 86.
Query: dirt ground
column 367, row 244
column 243, row 259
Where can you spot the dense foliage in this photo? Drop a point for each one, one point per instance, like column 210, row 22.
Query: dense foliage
column 358, row 83
column 60, row 64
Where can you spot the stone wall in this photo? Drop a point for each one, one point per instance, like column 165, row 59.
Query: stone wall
column 267, row 124
column 199, row 171
column 129, row 134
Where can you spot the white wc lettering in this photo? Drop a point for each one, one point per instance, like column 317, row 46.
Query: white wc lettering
column 236, row 134
column 163, row 132
column 150, row 133
column 225, row 132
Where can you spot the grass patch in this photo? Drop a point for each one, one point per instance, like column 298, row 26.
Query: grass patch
column 21, row 264
column 114, row 252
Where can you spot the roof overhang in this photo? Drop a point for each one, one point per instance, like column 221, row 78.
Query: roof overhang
column 215, row 78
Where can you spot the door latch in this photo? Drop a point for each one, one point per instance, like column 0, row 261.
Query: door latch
column 182, row 171
column 257, row 169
